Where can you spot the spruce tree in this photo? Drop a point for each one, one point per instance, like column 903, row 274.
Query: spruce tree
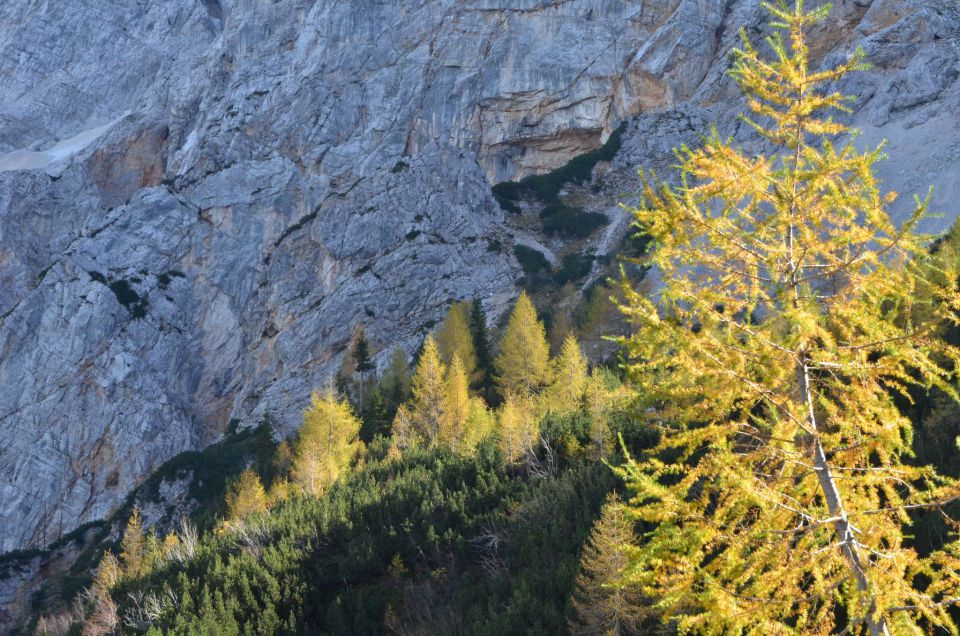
column 792, row 313
column 523, row 364
column 481, row 343
column 362, row 363
column 377, row 416
column 601, row 601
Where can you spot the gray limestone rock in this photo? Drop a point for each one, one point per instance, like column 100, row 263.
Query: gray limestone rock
column 201, row 200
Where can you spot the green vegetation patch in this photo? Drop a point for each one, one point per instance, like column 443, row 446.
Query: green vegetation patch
column 125, row 293
column 572, row 222
column 129, row 298
column 165, row 278
column 494, row 245
column 209, row 469
column 573, row 268
column 307, row 218
column 537, row 270
column 479, row 545
column 558, row 218
column 531, row 260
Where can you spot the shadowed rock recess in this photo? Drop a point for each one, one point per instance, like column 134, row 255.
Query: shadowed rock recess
column 200, row 200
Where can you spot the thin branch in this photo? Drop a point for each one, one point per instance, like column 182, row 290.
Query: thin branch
column 911, row 608
column 921, row 506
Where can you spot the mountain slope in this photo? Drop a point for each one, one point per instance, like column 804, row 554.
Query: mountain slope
column 200, row 201
column 245, row 183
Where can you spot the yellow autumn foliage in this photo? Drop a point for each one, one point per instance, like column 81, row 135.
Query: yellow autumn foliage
column 793, row 310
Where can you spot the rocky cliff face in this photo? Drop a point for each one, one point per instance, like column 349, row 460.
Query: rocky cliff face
column 201, row 199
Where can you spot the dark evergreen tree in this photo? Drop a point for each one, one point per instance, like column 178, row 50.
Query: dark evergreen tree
column 364, row 365
column 394, row 384
column 361, row 354
column 376, row 416
column 481, row 344
column 342, row 383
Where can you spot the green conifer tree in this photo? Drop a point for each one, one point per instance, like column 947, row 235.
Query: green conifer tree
column 481, row 344
column 377, row 416
column 363, row 365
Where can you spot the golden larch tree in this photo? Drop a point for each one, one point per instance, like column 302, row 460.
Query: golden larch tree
column 171, row 545
column 245, row 496
column 133, row 547
column 602, row 602
column 599, row 320
column 456, row 407
column 561, row 323
column 403, row 430
column 429, row 390
column 598, row 404
column 454, row 338
column 523, row 364
column 327, row 443
column 792, row 311
column 517, row 427
column 481, row 424
column 108, row 574
column 565, row 394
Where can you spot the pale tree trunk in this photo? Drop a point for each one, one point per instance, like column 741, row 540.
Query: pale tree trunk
column 362, row 379
column 849, row 546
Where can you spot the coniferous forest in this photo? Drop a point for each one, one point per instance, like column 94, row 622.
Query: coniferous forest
column 770, row 450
